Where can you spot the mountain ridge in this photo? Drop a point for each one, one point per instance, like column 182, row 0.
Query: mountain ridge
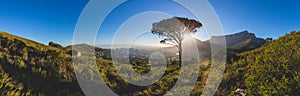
column 236, row 39
column 235, row 43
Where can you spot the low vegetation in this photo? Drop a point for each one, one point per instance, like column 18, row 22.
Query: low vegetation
column 30, row 68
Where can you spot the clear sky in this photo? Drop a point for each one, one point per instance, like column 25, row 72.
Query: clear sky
column 55, row 20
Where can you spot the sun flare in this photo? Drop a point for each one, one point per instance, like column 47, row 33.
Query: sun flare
column 188, row 37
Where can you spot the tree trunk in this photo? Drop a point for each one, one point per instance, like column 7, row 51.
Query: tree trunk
column 180, row 54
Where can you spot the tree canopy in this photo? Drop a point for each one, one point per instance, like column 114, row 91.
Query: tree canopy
column 172, row 30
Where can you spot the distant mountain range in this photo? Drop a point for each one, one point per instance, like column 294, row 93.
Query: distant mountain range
column 238, row 42
column 243, row 40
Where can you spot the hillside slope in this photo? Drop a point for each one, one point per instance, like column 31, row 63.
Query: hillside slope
column 273, row 69
column 31, row 68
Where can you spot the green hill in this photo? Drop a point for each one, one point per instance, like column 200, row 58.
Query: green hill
column 31, row 68
column 273, row 69
column 28, row 42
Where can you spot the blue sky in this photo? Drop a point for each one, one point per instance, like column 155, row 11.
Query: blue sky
column 41, row 20
column 55, row 20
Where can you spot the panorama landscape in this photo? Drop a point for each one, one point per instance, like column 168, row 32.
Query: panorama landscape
column 39, row 58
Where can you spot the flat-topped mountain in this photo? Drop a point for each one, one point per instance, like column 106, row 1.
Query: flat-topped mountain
column 243, row 40
column 238, row 42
